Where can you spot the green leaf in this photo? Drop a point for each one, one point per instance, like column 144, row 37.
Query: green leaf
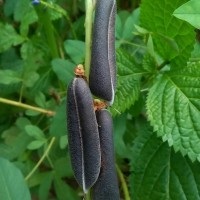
column 189, row 12
column 22, row 7
column 64, row 191
column 63, row 141
column 9, row 37
column 18, row 146
column 58, row 126
column 173, row 107
column 9, row 7
column 157, row 17
column 64, row 69
column 13, row 186
column 76, row 50
column 40, row 99
column 160, row 173
column 119, row 131
column 128, row 86
column 36, row 144
column 45, row 186
column 125, row 30
column 30, row 79
column 8, row 77
column 35, row 132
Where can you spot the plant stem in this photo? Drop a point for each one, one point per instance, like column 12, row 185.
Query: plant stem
column 123, row 182
column 89, row 5
column 26, row 106
column 87, row 196
column 41, row 159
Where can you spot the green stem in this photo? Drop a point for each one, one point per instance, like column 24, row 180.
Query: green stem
column 123, row 182
column 88, row 34
column 44, row 19
column 87, row 196
column 41, row 159
column 26, row 106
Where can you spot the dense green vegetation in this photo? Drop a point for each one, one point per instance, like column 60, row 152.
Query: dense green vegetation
column 156, row 110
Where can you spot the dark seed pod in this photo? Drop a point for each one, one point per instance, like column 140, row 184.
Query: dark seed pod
column 102, row 80
column 83, row 135
column 106, row 187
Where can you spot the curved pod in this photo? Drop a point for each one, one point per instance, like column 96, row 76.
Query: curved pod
column 102, row 80
column 83, row 135
column 106, row 186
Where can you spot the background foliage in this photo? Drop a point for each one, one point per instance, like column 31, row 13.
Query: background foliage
column 156, row 111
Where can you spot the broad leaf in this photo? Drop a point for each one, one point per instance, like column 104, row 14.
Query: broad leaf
column 12, row 183
column 64, row 70
column 173, row 107
column 128, row 86
column 76, row 50
column 58, row 124
column 157, row 17
column 189, row 12
column 160, row 173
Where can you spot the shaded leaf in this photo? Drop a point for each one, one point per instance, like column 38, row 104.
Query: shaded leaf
column 76, row 50
column 58, row 125
column 8, row 37
column 64, row 70
column 13, row 186
column 9, row 77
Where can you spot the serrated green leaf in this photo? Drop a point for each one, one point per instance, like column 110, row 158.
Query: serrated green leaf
column 64, row 69
column 22, row 7
column 13, row 186
column 157, row 17
column 189, row 12
column 128, row 86
column 35, row 132
column 29, row 17
column 8, row 77
column 76, row 50
column 173, row 107
column 9, row 37
column 160, row 173
column 36, row 144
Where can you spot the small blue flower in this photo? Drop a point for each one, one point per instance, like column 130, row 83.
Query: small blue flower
column 35, row 2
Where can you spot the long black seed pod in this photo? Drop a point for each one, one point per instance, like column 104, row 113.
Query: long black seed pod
column 83, row 135
column 102, row 80
column 106, row 187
